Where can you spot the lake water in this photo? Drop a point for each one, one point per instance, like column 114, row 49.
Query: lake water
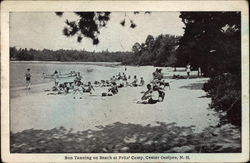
column 89, row 71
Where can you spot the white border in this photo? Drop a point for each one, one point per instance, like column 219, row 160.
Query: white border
column 35, row 6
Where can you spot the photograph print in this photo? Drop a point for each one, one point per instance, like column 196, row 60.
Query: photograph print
column 125, row 82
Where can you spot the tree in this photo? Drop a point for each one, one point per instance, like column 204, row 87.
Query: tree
column 136, row 48
column 89, row 24
column 160, row 51
column 149, row 41
column 203, row 42
column 212, row 41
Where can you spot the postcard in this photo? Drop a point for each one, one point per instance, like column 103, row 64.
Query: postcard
column 124, row 81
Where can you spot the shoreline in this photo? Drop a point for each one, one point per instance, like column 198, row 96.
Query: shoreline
column 50, row 111
column 15, row 61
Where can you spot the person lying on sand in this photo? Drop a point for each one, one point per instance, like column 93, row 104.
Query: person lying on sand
column 120, row 83
column 97, row 83
column 160, row 83
column 113, row 89
column 108, row 83
column 178, row 77
column 56, row 90
column 63, row 87
column 89, row 88
column 103, row 83
column 164, row 84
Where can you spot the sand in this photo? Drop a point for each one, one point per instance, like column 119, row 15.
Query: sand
column 185, row 104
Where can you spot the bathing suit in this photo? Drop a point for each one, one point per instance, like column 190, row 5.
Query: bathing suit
column 27, row 76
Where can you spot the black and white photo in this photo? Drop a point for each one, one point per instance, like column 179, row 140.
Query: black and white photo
column 143, row 82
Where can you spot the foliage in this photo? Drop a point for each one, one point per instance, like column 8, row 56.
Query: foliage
column 66, row 55
column 159, row 51
column 212, row 41
column 128, row 138
column 226, row 97
column 156, row 52
column 88, row 24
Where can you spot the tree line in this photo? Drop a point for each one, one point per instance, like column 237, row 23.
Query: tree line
column 159, row 51
column 65, row 55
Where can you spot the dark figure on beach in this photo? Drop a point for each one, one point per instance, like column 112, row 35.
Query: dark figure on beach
column 77, row 88
column 135, row 82
column 89, row 88
column 158, row 74
column 178, row 77
column 164, row 84
column 160, row 92
column 113, row 89
column 124, row 77
column 78, row 77
column 28, row 78
column 188, row 69
column 119, row 76
column 147, row 97
column 56, row 78
column 155, row 73
column 142, row 82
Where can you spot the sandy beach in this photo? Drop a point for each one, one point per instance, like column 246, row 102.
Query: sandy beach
column 185, row 104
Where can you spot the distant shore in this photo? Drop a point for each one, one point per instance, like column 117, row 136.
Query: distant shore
column 15, row 61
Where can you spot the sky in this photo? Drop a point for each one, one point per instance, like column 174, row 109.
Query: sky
column 43, row 30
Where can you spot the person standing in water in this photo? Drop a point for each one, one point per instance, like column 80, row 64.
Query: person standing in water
column 28, row 78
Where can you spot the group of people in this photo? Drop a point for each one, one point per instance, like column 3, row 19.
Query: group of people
column 155, row 89
column 77, row 86
column 188, row 70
